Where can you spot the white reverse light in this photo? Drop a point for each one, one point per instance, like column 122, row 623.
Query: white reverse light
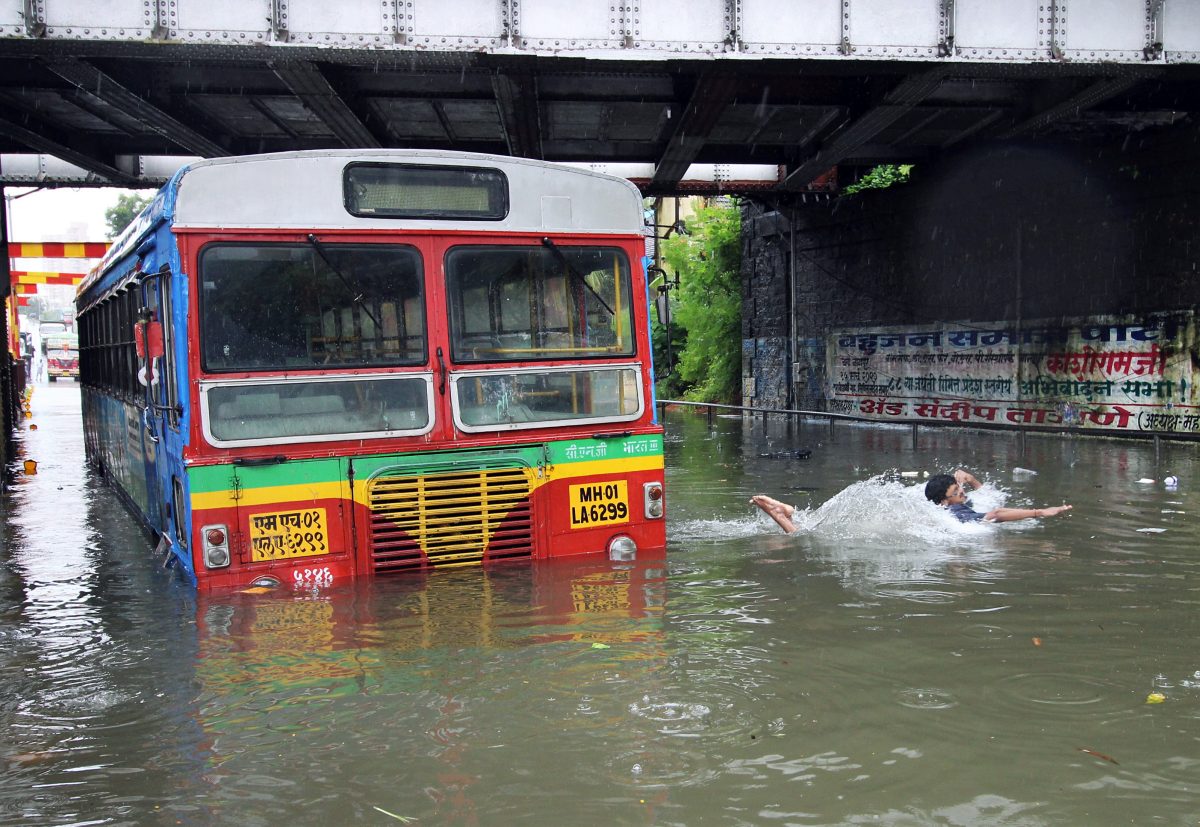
column 622, row 549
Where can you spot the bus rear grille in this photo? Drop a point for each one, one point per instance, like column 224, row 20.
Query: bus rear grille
column 459, row 518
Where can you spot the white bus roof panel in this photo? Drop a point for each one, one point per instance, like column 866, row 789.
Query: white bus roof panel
column 303, row 190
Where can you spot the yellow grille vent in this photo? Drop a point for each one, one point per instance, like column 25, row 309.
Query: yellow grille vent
column 457, row 518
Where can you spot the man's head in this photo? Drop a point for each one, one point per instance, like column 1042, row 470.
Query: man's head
column 943, row 487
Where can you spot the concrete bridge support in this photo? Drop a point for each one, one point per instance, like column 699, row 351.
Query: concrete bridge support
column 8, row 385
column 1004, row 233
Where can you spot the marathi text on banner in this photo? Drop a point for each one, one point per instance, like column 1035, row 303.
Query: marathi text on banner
column 1095, row 373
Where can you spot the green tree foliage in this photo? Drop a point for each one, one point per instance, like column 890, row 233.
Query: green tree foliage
column 708, row 303
column 669, row 385
column 121, row 215
column 880, row 177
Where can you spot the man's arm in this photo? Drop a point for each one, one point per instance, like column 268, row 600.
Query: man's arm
column 964, row 478
column 1006, row 515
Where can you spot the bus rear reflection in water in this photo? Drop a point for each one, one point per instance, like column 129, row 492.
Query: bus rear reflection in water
column 344, row 638
column 409, row 685
column 307, row 367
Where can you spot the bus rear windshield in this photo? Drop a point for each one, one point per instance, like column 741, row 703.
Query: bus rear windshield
column 539, row 303
column 310, row 306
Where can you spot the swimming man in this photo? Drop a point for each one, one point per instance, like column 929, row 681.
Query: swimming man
column 950, row 492
column 942, row 489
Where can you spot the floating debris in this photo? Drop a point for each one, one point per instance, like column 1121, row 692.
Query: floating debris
column 803, row 453
column 1099, row 755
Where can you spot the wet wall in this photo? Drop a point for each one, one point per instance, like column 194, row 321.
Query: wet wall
column 1003, row 234
column 9, row 390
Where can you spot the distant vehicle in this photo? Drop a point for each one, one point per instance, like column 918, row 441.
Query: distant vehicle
column 50, row 328
column 26, row 339
column 308, row 367
column 62, row 355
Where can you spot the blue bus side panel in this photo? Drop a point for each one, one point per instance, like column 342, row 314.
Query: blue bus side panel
column 117, row 430
column 143, row 469
column 170, row 467
column 649, row 343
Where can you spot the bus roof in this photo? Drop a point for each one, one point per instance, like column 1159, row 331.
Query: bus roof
column 60, row 340
column 304, row 190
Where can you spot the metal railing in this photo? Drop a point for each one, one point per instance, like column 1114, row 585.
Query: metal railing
column 800, row 415
column 794, row 413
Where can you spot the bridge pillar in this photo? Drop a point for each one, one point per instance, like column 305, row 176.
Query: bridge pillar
column 1012, row 235
column 9, row 401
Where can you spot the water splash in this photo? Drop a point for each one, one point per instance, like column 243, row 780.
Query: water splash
column 882, row 509
column 693, row 530
column 884, row 538
column 885, row 508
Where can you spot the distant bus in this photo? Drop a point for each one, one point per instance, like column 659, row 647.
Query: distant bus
column 311, row 366
column 61, row 351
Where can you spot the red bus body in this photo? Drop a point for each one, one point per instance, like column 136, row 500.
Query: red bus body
column 513, row 383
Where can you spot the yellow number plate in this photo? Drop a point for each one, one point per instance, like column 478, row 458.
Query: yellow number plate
column 283, row 534
column 599, row 503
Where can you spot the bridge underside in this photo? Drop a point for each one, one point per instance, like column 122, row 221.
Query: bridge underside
column 130, row 113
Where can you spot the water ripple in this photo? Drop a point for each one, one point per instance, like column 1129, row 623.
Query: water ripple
column 927, row 698
column 1061, row 696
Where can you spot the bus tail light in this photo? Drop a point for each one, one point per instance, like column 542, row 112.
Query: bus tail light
column 216, row 546
column 622, row 549
column 652, row 497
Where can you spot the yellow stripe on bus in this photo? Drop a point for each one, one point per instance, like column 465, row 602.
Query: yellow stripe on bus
column 598, row 467
column 310, row 492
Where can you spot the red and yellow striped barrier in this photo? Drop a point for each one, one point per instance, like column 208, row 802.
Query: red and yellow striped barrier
column 25, row 282
column 28, row 278
column 56, row 249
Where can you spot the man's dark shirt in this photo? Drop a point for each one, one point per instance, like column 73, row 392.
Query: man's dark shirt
column 964, row 514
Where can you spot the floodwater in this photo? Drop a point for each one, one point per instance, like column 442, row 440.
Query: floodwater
column 885, row 665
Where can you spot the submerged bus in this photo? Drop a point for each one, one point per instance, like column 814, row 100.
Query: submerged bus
column 310, row 366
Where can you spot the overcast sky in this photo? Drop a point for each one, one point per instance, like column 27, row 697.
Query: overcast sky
column 62, row 214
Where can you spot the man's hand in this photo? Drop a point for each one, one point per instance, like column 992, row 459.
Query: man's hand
column 965, row 479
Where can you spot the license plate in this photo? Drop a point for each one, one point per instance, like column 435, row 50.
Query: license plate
column 599, row 503
column 280, row 535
